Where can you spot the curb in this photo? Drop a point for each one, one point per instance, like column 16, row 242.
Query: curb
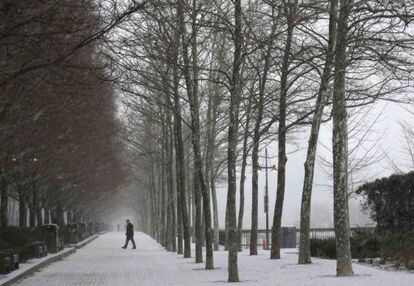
column 59, row 256
column 83, row 243
column 36, row 267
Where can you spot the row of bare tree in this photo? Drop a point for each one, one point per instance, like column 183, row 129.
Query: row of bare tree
column 205, row 85
column 202, row 87
column 60, row 149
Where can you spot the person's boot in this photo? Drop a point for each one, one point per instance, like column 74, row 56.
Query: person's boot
column 124, row 247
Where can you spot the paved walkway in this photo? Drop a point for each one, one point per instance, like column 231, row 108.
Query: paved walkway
column 104, row 263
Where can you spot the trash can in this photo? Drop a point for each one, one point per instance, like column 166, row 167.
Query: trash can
column 5, row 263
column 72, row 233
column 82, row 230
column 53, row 239
column 96, row 227
column 288, row 237
column 36, row 249
column 91, row 229
column 9, row 260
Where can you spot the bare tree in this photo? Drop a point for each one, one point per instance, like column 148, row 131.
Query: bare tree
column 192, row 93
column 340, row 147
column 323, row 95
column 290, row 10
column 233, row 272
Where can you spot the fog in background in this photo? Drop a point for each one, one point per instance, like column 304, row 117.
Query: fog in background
column 385, row 140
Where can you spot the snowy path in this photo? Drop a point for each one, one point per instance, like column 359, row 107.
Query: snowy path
column 103, row 263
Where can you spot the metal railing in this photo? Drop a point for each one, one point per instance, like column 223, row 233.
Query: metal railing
column 290, row 235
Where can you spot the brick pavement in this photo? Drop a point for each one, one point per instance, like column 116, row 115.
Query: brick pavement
column 103, row 262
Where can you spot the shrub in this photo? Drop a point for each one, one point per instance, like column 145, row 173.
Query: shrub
column 323, row 248
column 390, row 202
column 13, row 237
column 65, row 233
column 400, row 248
column 397, row 247
column 40, row 234
column 365, row 244
column 18, row 238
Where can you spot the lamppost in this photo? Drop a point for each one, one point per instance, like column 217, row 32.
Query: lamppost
column 266, row 197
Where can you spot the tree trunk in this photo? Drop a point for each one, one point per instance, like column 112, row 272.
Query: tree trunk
column 169, row 239
column 59, row 213
column 255, row 201
column 323, row 95
column 256, row 141
column 198, row 218
column 226, row 229
column 215, row 212
column 282, row 131
column 235, row 86
column 173, row 201
column 192, row 93
column 4, row 207
column 153, row 202
column 190, row 193
column 179, row 222
column 184, row 230
column 212, row 115
column 209, row 162
column 34, row 207
column 39, row 217
column 193, row 234
column 164, row 200
column 242, row 181
column 22, row 209
column 340, row 148
column 183, row 227
column 171, row 219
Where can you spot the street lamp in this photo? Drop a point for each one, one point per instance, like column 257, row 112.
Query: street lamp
column 266, row 198
column 272, row 169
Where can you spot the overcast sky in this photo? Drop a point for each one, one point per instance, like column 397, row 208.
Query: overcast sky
column 385, row 137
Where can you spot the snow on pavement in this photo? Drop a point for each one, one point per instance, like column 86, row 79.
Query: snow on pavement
column 103, row 262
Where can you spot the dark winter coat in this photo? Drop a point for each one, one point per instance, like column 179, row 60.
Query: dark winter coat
column 130, row 230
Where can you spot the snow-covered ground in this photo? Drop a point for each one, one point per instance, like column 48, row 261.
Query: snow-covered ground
column 103, row 262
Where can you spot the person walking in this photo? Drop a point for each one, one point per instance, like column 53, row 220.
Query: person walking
column 129, row 235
